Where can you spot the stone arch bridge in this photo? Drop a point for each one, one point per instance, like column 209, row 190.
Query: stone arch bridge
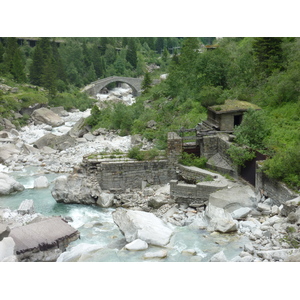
column 95, row 87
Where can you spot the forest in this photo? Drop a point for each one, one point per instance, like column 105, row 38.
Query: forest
column 263, row 70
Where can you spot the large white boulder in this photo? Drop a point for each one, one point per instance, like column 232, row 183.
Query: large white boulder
column 142, row 225
column 7, row 151
column 220, row 220
column 41, row 182
column 105, row 200
column 26, row 207
column 233, row 198
column 7, row 248
column 46, row 116
column 76, row 188
column 219, row 257
column 156, row 254
column 79, row 252
column 137, row 245
column 9, row 185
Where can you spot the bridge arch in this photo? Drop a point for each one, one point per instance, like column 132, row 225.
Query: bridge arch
column 95, row 87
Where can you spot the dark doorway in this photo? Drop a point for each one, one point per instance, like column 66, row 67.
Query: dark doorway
column 237, row 120
column 192, row 149
column 248, row 172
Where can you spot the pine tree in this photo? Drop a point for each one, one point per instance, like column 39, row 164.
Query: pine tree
column 131, row 55
column 11, row 47
column 48, row 77
column 268, row 53
column 41, row 55
column 13, row 63
column 18, row 67
column 146, row 84
column 1, row 52
column 36, row 68
column 59, row 67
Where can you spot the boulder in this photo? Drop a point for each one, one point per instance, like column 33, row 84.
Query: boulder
column 7, row 124
column 7, row 248
column 46, row 116
column 76, row 188
column 26, row 207
column 55, row 142
column 142, row 225
column 200, row 222
column 157, row 254
column 41, row 182
column 89, row 137
column 79, row 129
column 220, row 220
column 282, row 254
column 218, row 257
column 105, row 200
column 158, row 201
column 233, row 198
column 9, row 185
column 264, row 208
column 4, row 135
column 59, row 110
column 241, row 213
column 7, row 151
column 78, row 252
column 294, row 201
column 137, row 245
column 4, row 231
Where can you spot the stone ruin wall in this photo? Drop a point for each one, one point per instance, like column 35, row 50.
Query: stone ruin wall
column 118, row 176
column 271, row 188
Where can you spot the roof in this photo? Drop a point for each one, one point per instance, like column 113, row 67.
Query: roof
column 233, row 106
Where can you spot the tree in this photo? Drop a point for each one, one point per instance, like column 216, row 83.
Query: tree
column 18, row 67
column 131, row 55
column 253, row 130
column 182, row 77
column 48, row 77
column 146, row 84
column 13, row 62
column 41, row 56
column 268, row 53
column 1, row 52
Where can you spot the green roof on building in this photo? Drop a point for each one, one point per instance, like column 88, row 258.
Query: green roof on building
column 233, row 106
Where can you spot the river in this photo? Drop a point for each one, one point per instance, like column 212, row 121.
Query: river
column 95, row 224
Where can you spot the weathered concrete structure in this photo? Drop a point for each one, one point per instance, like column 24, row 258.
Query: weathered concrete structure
column 95, row 87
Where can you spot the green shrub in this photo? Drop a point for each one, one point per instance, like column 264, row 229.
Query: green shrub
column 192, row 160
column 76, row 100
column 285, row 166
column 253, row 130
column 136, row 153
column 239, row 155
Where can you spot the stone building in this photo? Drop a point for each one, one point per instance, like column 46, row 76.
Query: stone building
column 226, row 116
